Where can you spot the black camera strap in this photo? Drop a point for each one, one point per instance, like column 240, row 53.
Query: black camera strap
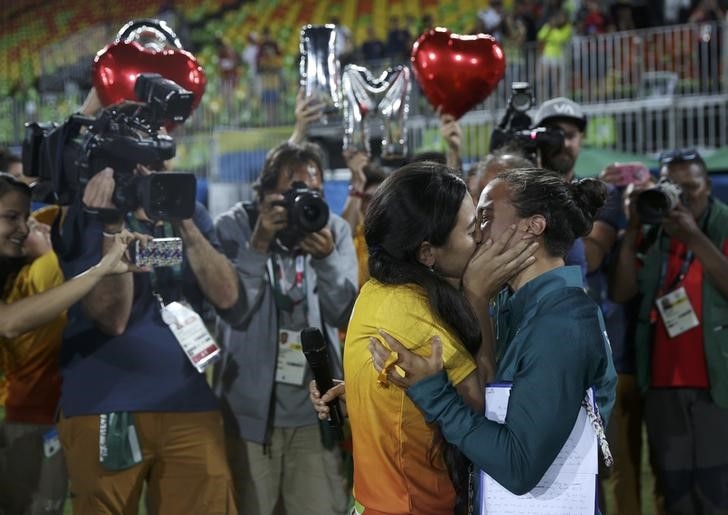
column 687, row 259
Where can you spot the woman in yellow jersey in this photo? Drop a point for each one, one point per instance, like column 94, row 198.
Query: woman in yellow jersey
column 421, row 232
column 30, row 312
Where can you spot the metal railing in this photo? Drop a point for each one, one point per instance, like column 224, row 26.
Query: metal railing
column 644, row 90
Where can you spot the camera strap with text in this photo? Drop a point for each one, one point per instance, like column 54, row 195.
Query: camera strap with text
column 289, row 291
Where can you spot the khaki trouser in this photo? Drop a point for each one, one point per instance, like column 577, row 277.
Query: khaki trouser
column 295, row 467
column 183, row 462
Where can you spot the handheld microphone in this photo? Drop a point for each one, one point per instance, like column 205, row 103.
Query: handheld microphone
column 316, row 352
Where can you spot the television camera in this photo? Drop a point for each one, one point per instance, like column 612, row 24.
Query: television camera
column 122, row 136
column 515, row 128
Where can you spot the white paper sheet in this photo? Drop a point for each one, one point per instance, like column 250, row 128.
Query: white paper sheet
column 567, row 488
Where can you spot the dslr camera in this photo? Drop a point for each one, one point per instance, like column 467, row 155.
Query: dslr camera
column 655, row 203
column 65, row 157
column 307, row 213
column 515, row 127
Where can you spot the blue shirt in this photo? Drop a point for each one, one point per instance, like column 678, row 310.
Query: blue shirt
column 143, row 369
column 552, row 346
column 617, row 317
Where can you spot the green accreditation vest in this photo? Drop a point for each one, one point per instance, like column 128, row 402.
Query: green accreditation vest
column 715, row 308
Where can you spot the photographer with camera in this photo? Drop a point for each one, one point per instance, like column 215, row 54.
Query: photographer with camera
column 297, row 268
column 673, row 257
column 134, row 407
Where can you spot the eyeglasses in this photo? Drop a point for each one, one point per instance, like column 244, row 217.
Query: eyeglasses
column 679, row 156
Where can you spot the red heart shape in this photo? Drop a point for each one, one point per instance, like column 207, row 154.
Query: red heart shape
column 457, row 72
column 116, row 68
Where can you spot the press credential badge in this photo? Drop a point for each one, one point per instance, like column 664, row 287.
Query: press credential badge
column 191, row 333
column 676, row 311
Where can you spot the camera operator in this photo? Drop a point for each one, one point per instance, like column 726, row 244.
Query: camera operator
column 290, row 279
column 679, row 269
column 133, row 407
column 565, row 115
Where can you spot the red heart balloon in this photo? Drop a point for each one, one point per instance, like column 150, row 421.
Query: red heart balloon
column 116, row 68
column 457, row 72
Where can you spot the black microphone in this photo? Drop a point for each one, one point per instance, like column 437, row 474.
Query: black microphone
column 316, row 352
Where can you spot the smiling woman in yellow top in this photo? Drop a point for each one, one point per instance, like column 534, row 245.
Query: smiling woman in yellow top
column 421, row 232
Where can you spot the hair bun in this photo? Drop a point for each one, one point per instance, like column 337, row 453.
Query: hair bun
column 589, row 196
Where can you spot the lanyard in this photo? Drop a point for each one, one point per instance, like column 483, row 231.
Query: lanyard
column 688, row 259
column 684, row 267
column 287, row 294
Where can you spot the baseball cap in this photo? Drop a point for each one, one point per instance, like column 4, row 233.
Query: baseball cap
column 560, row 108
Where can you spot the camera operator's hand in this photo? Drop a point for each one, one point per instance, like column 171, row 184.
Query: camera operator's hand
column 308, row 109
column 629, row 205
column 272, row 217
column 680, row 223
column 318, row 244
column 92, row 104
column 99, row 191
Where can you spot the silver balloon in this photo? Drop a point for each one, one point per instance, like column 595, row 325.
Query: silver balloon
column 152, row 34
column 319, row 67
column 386, row 96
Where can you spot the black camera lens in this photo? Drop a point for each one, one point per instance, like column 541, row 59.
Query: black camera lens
column 652, row 206
column 655, row 203
column 307, row 213
column 165, row 95
column 310, row 212
column 521, row 101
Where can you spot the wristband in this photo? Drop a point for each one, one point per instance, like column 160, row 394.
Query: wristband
column 353, row 192
column 110, row 234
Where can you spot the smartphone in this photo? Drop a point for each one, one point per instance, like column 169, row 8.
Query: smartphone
column 159, row 252
column 631, row 173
